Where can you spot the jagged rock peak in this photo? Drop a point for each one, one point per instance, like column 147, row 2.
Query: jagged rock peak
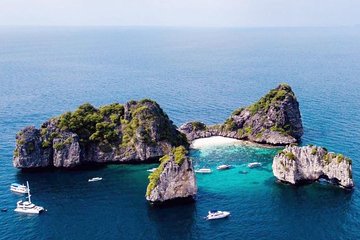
column 136, row 131
column 309, row 163
column 174, row 179
column 274, row 119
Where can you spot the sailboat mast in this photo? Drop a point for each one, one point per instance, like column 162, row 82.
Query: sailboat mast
column 28, row 191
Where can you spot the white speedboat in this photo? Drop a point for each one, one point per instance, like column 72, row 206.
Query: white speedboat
column 254, row 164
column 203, row 170
column 152, row 169
column 95, row 179
column 223, row 167
column 215, row 214
column 27, row 206
column 18, row 188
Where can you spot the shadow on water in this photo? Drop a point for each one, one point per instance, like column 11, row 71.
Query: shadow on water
column 318, row 204
column 174, row 220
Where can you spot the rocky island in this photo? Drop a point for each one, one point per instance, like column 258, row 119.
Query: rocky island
column 174, row 179
column 275, row 119
column 307, row 164
column 136, row 131
column 140, row 131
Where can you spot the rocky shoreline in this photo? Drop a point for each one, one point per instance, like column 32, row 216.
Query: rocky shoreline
column 173, row 180
column 275, row 119
column 136, row 131
column 297, row 165
column 139, row 131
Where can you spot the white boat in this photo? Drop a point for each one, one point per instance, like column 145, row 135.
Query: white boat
column 203, row 170
column 223, row 167
column 254, row 164
column 152, row 169
column 27, row 206
column 215, row 214
column 19, row 188
column 95, row 179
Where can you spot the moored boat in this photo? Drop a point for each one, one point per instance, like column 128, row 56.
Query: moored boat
column 151, row 169
column 203, row 170
column 95, row 179
column 18, row 188
column 215, row 214
column 223, row 167
column 254, row 164
column 27, row 206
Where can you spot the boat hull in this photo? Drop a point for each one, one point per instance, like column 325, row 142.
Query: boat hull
column 203, row 171
column 18, row 190
column 30, row 211
column 223, row 215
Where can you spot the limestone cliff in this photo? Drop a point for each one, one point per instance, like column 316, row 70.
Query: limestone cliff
column 136, row 131
column 310, row 163
column 174, row 179
column 275, row 119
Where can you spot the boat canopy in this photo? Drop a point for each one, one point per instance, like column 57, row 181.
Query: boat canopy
column 213, row 211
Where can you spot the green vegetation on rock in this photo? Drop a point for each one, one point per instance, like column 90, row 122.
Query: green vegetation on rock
column 284, row 130
column 290, row 155
column 238, row 111
column 314, row 151
column 230, row 125
column 248, row 130
column 198, row 126
column 59, row 146
column 340, row 158
column 178, row 154
column 271, row 98
column 327, row 158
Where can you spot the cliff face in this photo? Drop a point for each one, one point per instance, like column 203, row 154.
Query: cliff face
column 275, row 119
column 306, row 164
column 174, row 179
column 136, row 131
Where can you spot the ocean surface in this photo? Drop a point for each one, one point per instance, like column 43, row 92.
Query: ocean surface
column 194, row 74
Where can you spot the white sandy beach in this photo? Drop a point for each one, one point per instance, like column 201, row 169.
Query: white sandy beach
column 213, row 141
column 220, row 141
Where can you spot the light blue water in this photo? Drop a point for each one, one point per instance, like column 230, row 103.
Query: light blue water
column 194, row 74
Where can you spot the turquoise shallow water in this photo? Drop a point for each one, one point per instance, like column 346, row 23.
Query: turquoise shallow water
column 195, row 74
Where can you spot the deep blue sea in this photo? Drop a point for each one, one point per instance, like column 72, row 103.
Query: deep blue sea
column 194, row 74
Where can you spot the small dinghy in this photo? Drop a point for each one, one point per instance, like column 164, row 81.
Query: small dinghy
column 95, row 179
column 27, row 206
column 254, row 165
column 18, row 188
column 203, row 170
column 223, row 167
column 215, row 214
column 152, row 169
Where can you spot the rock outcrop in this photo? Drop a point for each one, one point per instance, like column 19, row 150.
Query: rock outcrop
column 174, row 179
column 275, row 119
column 307, row 164
column 136, row 131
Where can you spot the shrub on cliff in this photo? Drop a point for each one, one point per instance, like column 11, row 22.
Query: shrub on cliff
column 178, row 154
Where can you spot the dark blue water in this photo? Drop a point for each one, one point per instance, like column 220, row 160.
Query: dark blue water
column 194, row 74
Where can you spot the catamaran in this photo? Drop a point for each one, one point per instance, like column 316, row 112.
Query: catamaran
column 18, row 188
column 28, row 206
